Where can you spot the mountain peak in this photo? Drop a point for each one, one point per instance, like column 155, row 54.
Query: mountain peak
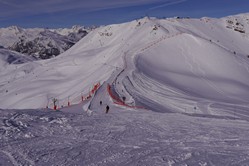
column 203, row 59
column 40, row 42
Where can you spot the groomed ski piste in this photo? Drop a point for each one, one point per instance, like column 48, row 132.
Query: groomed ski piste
column 177, row 89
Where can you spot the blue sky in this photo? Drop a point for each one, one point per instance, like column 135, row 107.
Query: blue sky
column 65, row 13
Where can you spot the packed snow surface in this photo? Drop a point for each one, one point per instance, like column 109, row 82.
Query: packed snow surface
column 121, row 137
column 177, row 89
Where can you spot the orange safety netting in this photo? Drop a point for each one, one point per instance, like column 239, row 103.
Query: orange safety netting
column 118, row 101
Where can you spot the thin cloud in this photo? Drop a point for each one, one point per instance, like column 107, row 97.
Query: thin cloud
column 169, row 3
column 15, row 8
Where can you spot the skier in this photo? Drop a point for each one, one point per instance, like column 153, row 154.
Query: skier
column 107, row 109
column 100, row 103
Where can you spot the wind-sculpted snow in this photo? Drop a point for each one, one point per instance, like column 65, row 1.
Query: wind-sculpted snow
column 198, row 68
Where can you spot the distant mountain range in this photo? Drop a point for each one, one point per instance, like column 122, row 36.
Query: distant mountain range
column 41, row 43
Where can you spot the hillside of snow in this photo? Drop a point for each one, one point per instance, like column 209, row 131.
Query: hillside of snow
column 8, row 57
column 40, row 42
column 177, row 91
column 155, row 61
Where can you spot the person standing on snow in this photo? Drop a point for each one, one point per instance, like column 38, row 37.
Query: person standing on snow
column 107, row 109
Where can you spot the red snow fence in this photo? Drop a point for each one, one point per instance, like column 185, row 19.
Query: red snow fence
column 76, row 100
column 95, row 88
column 118, row 101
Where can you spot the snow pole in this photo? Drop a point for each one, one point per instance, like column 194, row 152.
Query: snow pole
column 47, row 106
column 68, row 102
column 82, row 98
column 54, row 102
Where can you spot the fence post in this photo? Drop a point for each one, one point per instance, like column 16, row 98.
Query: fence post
column 54, row 102
column 82, row 98
column 68, row 102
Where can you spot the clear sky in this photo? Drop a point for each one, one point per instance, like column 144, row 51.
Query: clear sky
column 65, row 13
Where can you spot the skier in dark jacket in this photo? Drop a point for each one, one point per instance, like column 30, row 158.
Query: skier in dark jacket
column 107, row 109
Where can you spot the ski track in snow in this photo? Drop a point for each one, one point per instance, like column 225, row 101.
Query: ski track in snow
column 151, row 121
column 129, row 68
column 11, row 158
column 124, row 137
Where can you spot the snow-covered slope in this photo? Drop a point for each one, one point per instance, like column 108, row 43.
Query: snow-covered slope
column 196, row 69
column 40, row 42
column 121, row 137
column 12, row 57
column 168, row 65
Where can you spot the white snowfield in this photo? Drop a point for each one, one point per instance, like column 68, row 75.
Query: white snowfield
column 164, row 61
column 178, row 93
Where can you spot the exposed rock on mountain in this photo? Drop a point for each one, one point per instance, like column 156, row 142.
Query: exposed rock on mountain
column 39, row 42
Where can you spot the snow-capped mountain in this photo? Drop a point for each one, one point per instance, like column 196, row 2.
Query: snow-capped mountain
column 177, row 92
column 75, row 31
column 39, row 42
column 154, row 62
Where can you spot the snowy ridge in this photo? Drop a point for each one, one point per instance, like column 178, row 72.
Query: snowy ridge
column 177, row 93
column 190, row 58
